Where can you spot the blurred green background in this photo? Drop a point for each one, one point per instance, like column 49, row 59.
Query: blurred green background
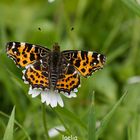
column 106, row 26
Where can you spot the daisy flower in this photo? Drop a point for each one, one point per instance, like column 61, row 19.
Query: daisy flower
column 50, row 97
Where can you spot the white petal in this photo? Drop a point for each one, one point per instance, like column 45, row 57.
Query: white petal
column 34, row 92
column 53, row 132
column 43, row 97
column 26, row 82
column 133, row 80
column 51, row 1
column 75, row 90
column 47, row 98
column 72, row 94
column 30, row 92
column 51, row 98
column 59, row 100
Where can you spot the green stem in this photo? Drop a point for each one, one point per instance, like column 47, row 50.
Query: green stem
column 45, row 121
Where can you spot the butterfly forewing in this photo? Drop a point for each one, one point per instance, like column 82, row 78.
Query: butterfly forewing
column 24, row 54
column 86, row 62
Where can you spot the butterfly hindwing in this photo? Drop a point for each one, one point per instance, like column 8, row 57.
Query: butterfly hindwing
column 86, row 62
column 69, row 80
column 24, row 54
column 37, row 76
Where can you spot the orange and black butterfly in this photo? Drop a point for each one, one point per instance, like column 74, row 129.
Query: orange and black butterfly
column 52, row 69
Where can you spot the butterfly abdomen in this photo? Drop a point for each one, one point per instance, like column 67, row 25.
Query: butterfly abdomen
column 55, row 62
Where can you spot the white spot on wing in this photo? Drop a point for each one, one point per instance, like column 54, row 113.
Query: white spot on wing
column 22, row 43
column 41, row 61
column 75, row 72
column 30, row 65
column 33, row 46
column 23, row 71
column 79, row 86
column 13, row 45
column 26, row 82
column 98, row 57
column 90, row 53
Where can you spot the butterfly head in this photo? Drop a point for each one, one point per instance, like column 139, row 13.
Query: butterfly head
column 56, row 47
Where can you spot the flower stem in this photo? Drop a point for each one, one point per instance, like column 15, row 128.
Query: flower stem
column 45, row 121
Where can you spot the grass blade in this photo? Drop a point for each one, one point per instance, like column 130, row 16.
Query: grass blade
column 8, row 135
column 107, row 118
column 134, row 128
column 132, row 5
column 117, row 53
column 18, row 124
column 92, row 121
column 71, row 116
column 61, row 120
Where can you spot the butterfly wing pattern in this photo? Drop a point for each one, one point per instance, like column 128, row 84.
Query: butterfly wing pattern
column 30, row 56
column 37, row 76
column 24, row 54
column 69, row 80
column 86, row 62
column 45, row 69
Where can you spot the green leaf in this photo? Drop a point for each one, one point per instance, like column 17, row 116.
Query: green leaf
column 107, row 118
column 92, row 121
column 8, row 135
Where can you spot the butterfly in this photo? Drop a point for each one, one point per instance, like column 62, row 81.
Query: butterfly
column 53, row 69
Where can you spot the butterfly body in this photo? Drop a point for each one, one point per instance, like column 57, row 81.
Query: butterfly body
column 53, row 69
column 55, row 61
